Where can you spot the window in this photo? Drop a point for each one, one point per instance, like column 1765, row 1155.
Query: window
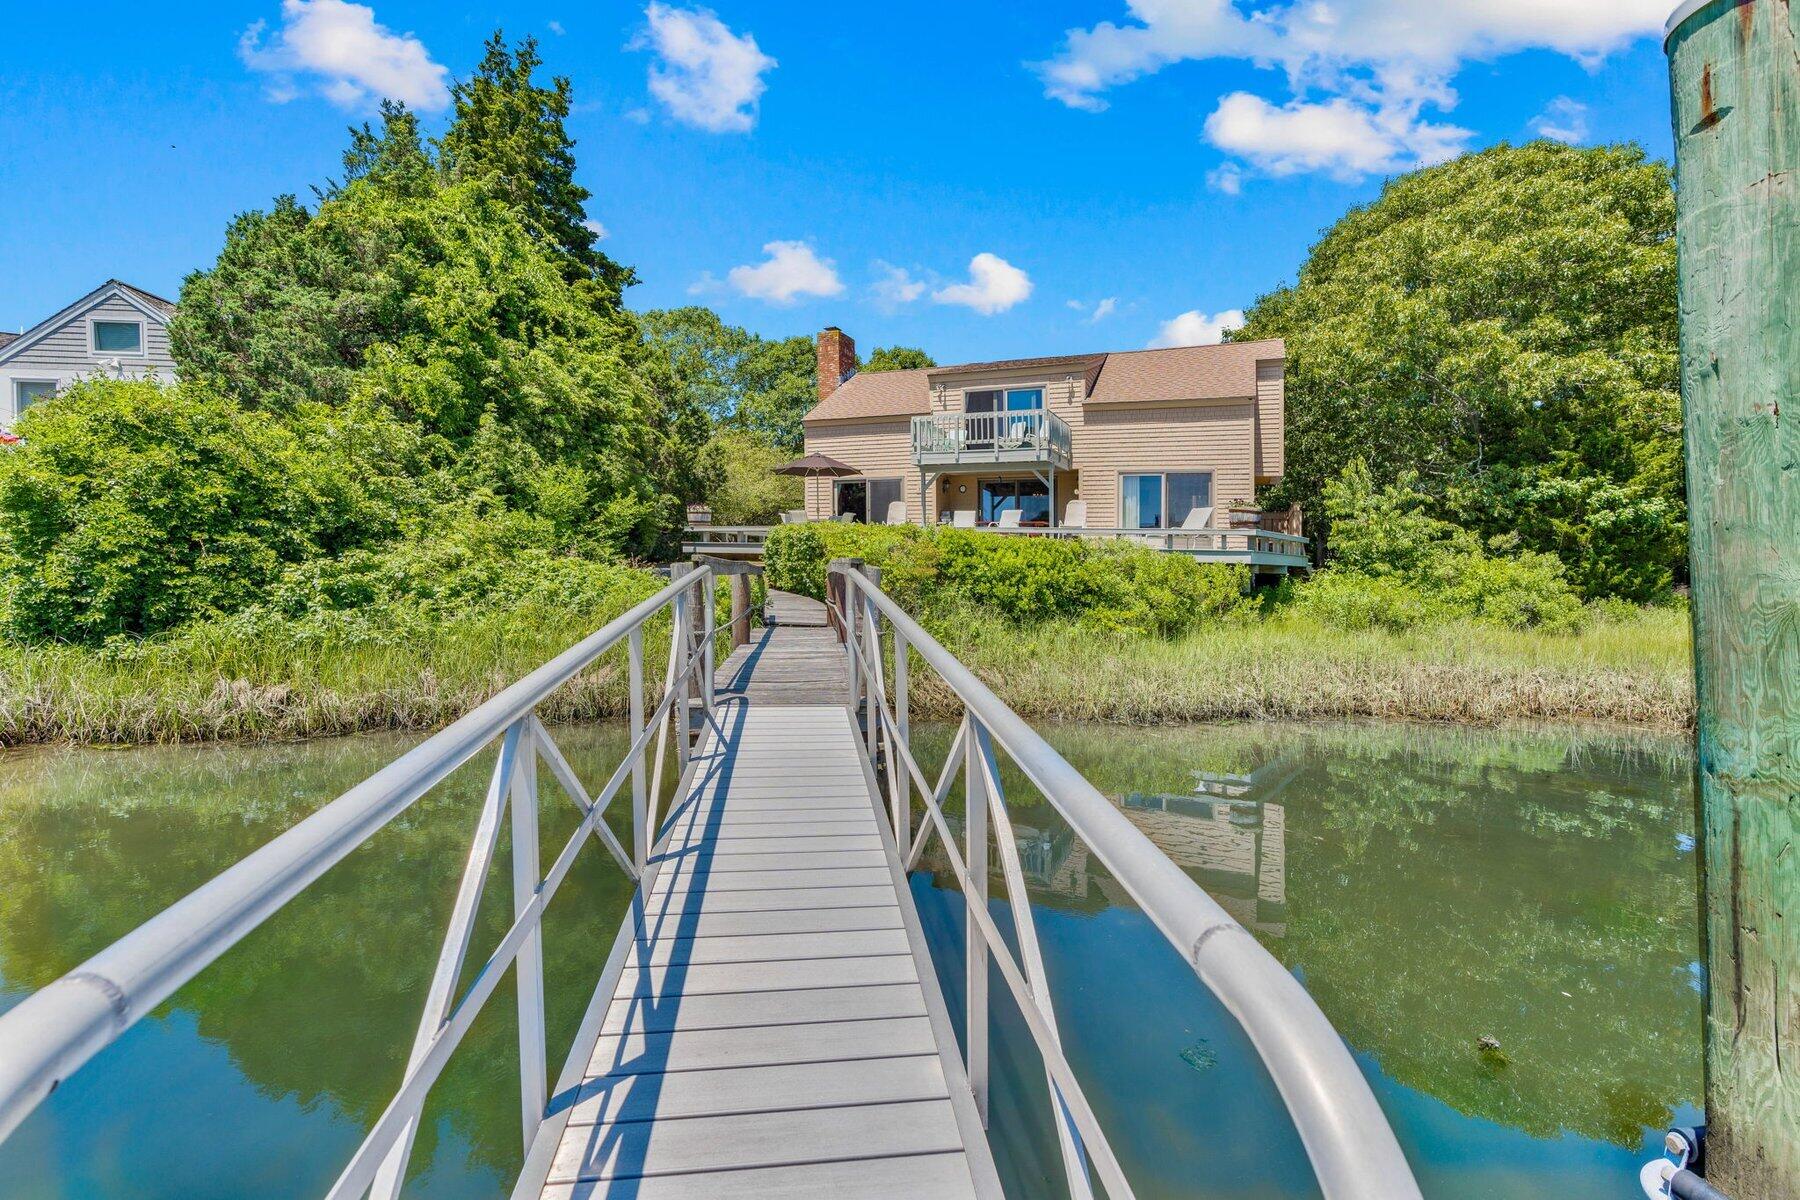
column 118, row 337
column 1003, row 400
column 1029, row 496
column 866, row 499
column 1162, row 501
column 882, row 493
column 28, row 393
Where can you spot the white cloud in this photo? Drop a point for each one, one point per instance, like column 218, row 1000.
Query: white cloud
column 1563, row 120
column 705, row 75
column 1337, row 136
column 1195, row 328
column 1226, row 177
column 994, row 286
column 1386, row 60
column 596, row 228
column 352, row 60
column 895, row 287
column 792, row 270
column 555, row 27
column 1098, row 311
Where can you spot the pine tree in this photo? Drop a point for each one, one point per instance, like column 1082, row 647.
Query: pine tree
column 396, row 157
column 509, row 131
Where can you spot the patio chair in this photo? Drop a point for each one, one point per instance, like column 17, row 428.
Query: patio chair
column 1075, row 515
column 1198, row 518
column 1009, row 519
column 896, row 513
column 963, row 518
column 794, row 516
column 846, row 518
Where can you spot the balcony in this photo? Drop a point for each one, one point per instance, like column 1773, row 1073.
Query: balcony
column 1030, row 438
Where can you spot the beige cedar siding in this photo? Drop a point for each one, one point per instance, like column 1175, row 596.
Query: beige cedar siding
column 878, row 448
column 1127, row 439
column 1271, row 419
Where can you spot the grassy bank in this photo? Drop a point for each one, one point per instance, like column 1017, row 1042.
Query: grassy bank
column 1632, row 670
column 418, row 668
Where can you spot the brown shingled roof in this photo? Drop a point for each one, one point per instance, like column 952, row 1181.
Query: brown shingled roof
column 1220, row 372
column 7, row 339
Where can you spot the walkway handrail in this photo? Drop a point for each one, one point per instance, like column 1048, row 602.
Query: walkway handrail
column 51, row 1033
column 1353, row 1150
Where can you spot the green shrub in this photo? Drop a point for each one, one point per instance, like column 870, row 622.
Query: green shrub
column 1525, row 592
column 131, row 507
column 1347, row 600
column 1102, row 585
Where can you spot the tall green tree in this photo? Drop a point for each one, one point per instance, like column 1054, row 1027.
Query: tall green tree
column 897, row 358
column 509, row 130
column 1504, row 326
column 396, row 158
column 746, row 382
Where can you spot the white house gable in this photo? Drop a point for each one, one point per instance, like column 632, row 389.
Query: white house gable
column 116, row 330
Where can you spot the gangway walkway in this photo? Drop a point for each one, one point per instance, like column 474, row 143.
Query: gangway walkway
column 768, row 1022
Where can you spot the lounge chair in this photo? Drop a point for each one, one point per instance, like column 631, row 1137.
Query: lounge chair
column 1009, row 519
column 1075, row 515
column 1197, row 519
column 896, row 513
column 794, row 516
column 963, row 518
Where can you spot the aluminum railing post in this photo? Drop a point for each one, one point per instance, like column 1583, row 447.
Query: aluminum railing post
column 640, row 799
column 709, row 626
column 975, row 826
column 679, row 654
column 872, row 647
column 527, row 879
column 902, row 794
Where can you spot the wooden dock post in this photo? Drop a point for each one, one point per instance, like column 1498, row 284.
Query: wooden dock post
column 1736, row 100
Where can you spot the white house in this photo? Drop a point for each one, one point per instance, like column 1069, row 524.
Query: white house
column 115, row 330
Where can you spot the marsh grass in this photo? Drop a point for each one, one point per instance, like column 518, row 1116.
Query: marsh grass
column 416, row 669
column 1633, row 669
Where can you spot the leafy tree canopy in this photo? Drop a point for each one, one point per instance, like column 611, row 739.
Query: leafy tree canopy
column 746, row 382
column 1504, row 326
column 897, row 358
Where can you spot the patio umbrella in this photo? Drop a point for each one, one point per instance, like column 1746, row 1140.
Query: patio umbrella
column 816, row 466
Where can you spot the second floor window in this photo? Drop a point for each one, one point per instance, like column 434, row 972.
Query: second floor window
column 1003, row 400
column 118, row 337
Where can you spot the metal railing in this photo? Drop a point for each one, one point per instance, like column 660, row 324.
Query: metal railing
column 1224, row 544
column 1352, row 1148
column 54, row 1031
column 986, row 437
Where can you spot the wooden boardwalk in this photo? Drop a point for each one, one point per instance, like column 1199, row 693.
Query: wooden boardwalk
column 774, row 1027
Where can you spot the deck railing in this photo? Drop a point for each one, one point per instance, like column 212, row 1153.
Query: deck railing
column 1028, row 434
column 50, row 1034
column 1354, row 1153
column 1244, row 544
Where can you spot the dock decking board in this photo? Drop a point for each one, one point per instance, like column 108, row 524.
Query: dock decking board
column 774, row 1029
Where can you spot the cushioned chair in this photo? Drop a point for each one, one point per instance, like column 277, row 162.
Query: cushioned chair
column 896, row 513
column 963, row 518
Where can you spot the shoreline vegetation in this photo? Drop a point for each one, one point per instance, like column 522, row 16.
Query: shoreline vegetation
column 271, row 679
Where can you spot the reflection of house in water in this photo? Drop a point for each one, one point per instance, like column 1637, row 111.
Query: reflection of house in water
column 1229, row 835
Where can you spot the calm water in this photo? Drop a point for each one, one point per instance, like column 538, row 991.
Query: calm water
column 1430, row 886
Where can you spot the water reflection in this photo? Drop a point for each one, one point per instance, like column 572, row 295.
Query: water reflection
column 1431, row 887
column 261, row 1076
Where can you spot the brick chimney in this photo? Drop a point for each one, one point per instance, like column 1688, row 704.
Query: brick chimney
column 837, row 359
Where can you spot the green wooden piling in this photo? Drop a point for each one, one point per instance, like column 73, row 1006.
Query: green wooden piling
column 1734, row 70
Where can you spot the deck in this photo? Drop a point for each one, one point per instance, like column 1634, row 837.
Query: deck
column 774, row 1027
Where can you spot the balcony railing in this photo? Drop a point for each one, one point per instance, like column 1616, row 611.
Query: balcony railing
column 1032, row 437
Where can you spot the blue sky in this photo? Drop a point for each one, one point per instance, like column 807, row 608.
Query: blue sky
column 981, row 178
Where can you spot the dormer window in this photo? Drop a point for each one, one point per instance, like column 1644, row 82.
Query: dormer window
column 118, row 337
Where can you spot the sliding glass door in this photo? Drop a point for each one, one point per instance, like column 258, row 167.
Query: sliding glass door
column 1164, row 500
column 1028, row 496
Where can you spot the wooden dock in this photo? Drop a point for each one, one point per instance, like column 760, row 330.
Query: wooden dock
column 774, row 1027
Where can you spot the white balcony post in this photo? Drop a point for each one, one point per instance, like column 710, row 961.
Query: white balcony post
column 902, row 795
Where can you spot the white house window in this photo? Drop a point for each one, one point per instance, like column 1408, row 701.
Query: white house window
column 28, row 392
column 118, row 337
column 1163, row 500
